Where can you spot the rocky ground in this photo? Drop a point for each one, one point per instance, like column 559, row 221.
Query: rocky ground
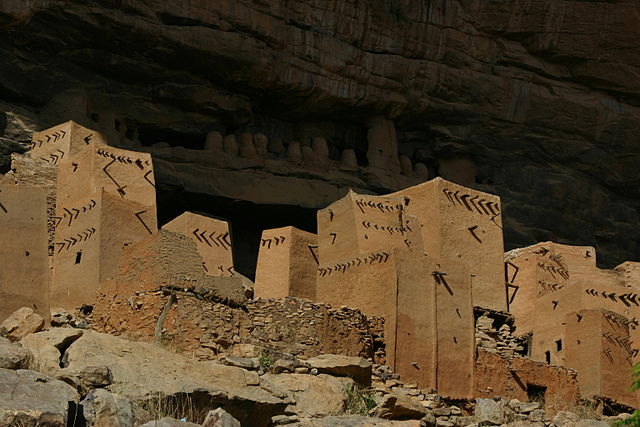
column 74, row 376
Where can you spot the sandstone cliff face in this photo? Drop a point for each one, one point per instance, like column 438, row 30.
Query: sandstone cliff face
column 537, row 101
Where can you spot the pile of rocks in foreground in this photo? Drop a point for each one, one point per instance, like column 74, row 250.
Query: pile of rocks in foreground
column 75, row 377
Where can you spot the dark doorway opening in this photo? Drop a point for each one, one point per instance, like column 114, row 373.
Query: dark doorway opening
column 536, row 393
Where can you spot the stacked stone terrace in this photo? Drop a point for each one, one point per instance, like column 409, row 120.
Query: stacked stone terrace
column 420, row 264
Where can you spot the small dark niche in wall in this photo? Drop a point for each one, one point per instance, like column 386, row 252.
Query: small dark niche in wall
column 536, row 393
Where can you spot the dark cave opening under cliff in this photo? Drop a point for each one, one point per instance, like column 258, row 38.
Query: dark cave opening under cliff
column 246, row 220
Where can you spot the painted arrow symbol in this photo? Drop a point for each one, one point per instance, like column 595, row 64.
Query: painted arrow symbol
column 62, row 244
column 491, row 206
column 144, row 224
column 213, row 238
column 204, row 238
column 455, row 194
column 448, row 194
column 224, row 239
column 542, row 251
column 623, row 298
column 70, row 215
column 54, row 158
column 464, row 198
column 472, row 200
column 473, row 233
column 366, row 224
column 87, row 139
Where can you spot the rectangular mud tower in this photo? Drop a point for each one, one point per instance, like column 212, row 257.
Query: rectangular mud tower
column 24, row 269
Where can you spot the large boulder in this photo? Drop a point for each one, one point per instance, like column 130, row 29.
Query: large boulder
column 141, row 371
column 565, row 419
column 102, row 408
column 31, row 398
column 400, row 407
column 220, row 418
column 357, row 368
column 490, row 411
column 21, row 323
column 313, row 395
column 13, row 356
column 48, row 347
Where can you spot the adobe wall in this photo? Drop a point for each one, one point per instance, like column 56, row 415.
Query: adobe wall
column 455, row 329
column 510, row 377
column 212, row 240
column 105, row 199
column 368, row 283
column 599, row 349
column 417, row 336
column 359, row 224
column 287, row 264
column 63, row 141
column 209, row 329
column 28, row 171
column 126, row 174
column 24, row 268
column 462, row 225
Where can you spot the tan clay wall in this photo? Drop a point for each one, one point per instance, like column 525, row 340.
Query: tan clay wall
column 24, row 268
column 465, row 226
column 360, row 224
column 59, row 143
column 599, row 349
column 509, row 377
column 287, row 264
column 368, row 283
column 76, row 258
column 456, row 330
column 124, row 173
column 212, row 240
column 416, row 345
column 28, row 171
column 105, row 199
column 550, row 313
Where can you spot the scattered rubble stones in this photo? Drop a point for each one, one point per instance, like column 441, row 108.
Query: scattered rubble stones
column 499, row 341
column 398, row 406
column 353, row 367
column 211, row 330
